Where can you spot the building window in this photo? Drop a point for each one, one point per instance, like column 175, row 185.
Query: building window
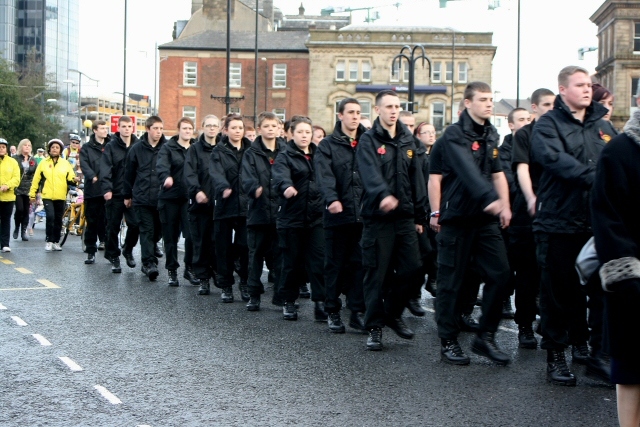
column 189, row 112
column 436, row 73
column 235, row 75
column 405, row 72
column 234, row 110
column 366, row 71
column 279, row 75
column 636, row 38
column 405, row 106
column 449, row 72
column 280, row 113
column 437, row 115
column 634, row 90
column 190, row 74
column 353, row 71
column 340, row 68
column 365, row 108
column 395, row 75
column 462, row 72
column 335, row 109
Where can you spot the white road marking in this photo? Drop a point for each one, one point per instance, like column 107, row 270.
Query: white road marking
column 42, row 340
column 2, row 307
column 112, row 398
column 19, row 321
column 71, row 364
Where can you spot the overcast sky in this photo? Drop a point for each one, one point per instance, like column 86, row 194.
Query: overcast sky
column 552, row 31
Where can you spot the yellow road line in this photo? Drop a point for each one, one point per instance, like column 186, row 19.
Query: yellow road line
column 23, row 270
column 6, row 261
column 47, row 285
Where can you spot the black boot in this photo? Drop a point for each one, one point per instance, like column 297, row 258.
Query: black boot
column 253, row 304
column 115, row 265
column 374, row 342
column 557, row 370
column 173, row 278
column 128, row 257
column 526, row 339
column 598, row 369
column 507, row 310
column 485, row 345
column 227, row 294
column 289, row 311
column 356, row 321
column 244, row 291
column 91, row 259
column 318, row 312
column 335, row 323
column 15, row 232
column 157, row 251
column 25, row 235
column 400, row 328
column 204, row 288
column 580, row 353
column 469, row 324
column 190, row 276
column 304, row 291
column 451, row 353
column 415, row 308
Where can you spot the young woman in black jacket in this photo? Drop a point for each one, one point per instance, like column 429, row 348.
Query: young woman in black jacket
column 299, row 223
column 28, row 167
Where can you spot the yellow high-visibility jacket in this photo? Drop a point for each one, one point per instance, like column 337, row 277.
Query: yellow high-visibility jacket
column 56, row 176
column 9, row 176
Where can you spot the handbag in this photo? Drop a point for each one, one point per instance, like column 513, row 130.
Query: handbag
column 587, row 262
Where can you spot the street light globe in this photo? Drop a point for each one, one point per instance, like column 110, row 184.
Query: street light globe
column 87, row 123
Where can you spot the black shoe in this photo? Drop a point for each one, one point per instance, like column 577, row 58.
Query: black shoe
column 271, row 278
column 151, row 271
column 580, row 354
column 204, row 287
column 374, row 342
column 415, row 308
column 277, row 301
column 289, row 311
column 430, row 286
column 507, row 310
column 128, row 257
column 485, row 345
column 557, row 370
column 469, row 324
column 190, row 276
column 25, row 236
column 173, row 278
column 597, row 369
column 400, row 328
column 526, row 338
column 158, row 251
column 101, row 246
column 304, row 291
column 115, row 265
column 335, row 323
column 15, row 233
column 451, row 353
column 253, row 304
column 356, row 321
column 319, row 314
column 91, row 259
column 244, row 291
column 227, row 294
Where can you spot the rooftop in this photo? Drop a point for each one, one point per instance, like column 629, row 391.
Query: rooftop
column 288, row 41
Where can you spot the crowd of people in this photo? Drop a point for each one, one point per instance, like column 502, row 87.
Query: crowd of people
column 376, row 213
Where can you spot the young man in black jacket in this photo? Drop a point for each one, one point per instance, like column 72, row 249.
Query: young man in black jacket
column 393, row 201
column 475, row 194
column 340, row 185
column 566, row 142
column 141, row 186
column 112, row 165
column 93, row 201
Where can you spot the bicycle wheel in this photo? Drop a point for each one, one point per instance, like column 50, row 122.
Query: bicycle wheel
column 67, row 223
column 81, row 231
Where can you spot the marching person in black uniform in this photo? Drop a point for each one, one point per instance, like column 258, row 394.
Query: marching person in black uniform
column 393, row 202
column 257, row 180
column 197, row 180
column 475, row 194
column 340, row 185
column 112, row 165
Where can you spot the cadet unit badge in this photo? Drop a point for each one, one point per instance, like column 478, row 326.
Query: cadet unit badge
column 495, row 153
column 410, row 154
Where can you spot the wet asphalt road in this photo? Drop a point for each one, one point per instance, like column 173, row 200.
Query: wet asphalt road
column 159, row 356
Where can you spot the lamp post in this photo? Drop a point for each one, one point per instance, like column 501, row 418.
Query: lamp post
column 80, row 74
column 412, row 59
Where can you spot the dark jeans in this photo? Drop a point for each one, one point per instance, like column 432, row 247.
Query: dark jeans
column 263, row 242
column 428, row 260
column 149, row 225
column 204, row 250
column 6, row 209
column 21, row 216
column 175, row 219
column 96, row 224
column 54, row 210
column 390, row 258
column 522, row 256
column 115, row 210
column 229, row 249
column 302, row 258
column 457, row 245
column 563, row 303
column 343, row 271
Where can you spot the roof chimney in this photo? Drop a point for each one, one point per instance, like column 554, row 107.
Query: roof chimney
column 301, row 10
column 267, row 10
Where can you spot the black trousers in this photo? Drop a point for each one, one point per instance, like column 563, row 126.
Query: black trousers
column 390, row 258
column 428, row 261
column 175, row 219
column 150, row 231
column 468, row 294
column 457, row 245
column 263, row 243
column 114, row 211
column 54, row 210
column 511, row 283
column 94, row 212
column 21, row 217
column 522, row 256
column 204, row 250
column 228, row 249
column 6, row 209
column 302, row 259
column 343, row 271
column 563, row 302
column 595, row 305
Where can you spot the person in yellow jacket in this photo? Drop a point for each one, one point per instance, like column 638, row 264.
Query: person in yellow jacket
column 9, row 180
column 55, row 175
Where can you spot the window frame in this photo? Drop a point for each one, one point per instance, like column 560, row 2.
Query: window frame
column 187, row 70
column 282, row 116
column 353, row 71
column 460, row 72
column 235, row 68
column 636, row 37
column 447, row 71
column 366, row 64
column 191, row 114
column 369, row 106
column 437, row 68
column 277, row 76
column 341, row 66
column 442, row 117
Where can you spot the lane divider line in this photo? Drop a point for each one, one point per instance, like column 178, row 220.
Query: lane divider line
column 112, row 398
column 7, row 261
column 71, row 364
column 2, row 307
column 42, row 340
column 23, row 270
column 19, row 321
column 48, row 284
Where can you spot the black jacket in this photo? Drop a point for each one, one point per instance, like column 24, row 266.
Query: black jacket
column 225, row 168
column 469, row 161
column 90, row 156
column 293, row 168
column 196, row 175
column 257, row 172
column 140, row 176
column 170, row 163
column 26, row 175
column 112, row 164
column 505, row 151
column 521, row 221
column 389, row 167
column 568, row 151
column 338, row 177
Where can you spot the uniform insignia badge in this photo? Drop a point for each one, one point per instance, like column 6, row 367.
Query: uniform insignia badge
column 410, row 154
column 495, row 153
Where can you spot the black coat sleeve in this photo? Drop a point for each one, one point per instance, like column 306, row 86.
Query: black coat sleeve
column 370, row 169
column 249, row 174
column 190, row 173
column 85, row 166
column 281, row 175
column 324, row 173
column 163, row 164
column 130, row 172
column 106, row 170
column 216, row 171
